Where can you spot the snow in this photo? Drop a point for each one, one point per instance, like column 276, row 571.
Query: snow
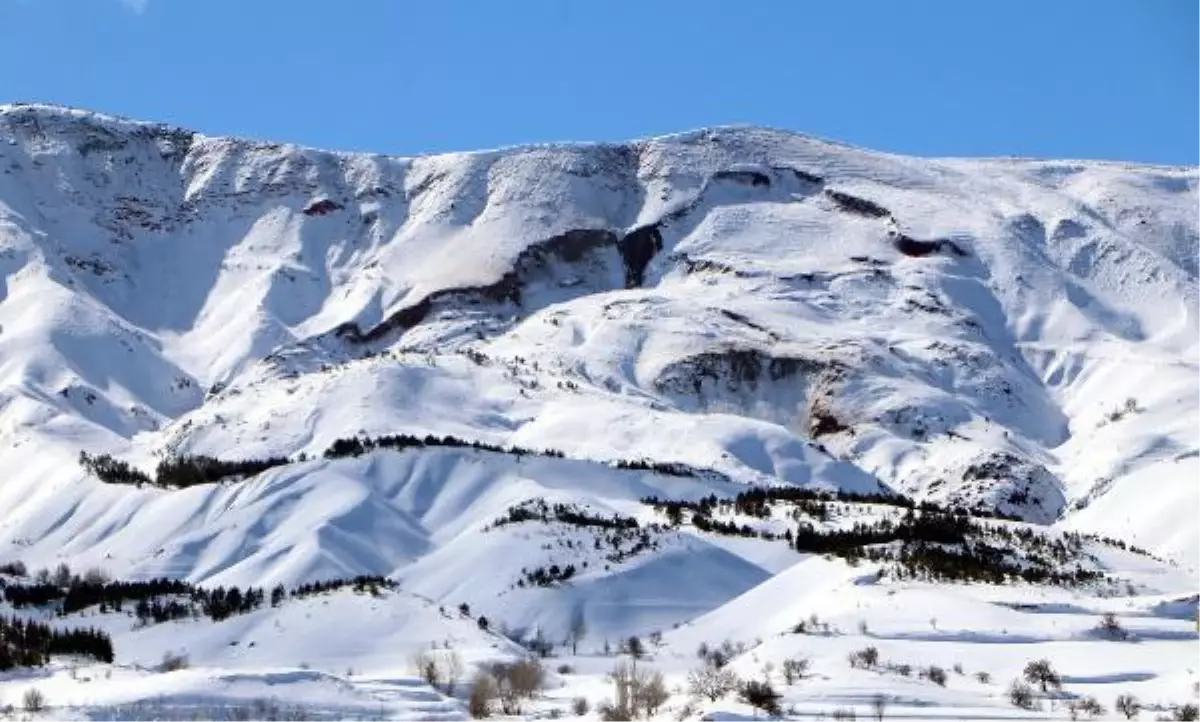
column 163, row 292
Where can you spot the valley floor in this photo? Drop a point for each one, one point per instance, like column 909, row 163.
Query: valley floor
column 343, row 655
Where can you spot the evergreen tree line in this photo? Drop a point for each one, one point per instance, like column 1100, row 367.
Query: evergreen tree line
column 927, row 542
column 26, row 643
column 175, row 473
column 362, row 584
column 186, row 471
column 359, row 445
column 952, row 547
column 757, row 502
column 539, row 510
column 546, row 576
column 161, row 600
column 80, row 594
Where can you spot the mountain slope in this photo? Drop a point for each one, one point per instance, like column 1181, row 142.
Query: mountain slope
column 533, row 381
column 962, row 330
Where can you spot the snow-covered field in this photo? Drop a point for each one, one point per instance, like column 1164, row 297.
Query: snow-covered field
column 733, row 307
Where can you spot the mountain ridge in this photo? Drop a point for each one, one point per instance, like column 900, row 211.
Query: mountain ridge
column 921, row 346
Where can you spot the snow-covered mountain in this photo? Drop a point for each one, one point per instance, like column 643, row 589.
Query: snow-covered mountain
column 710, row 311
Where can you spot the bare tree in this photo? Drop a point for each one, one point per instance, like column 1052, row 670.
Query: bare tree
column 1041, row 673
column 1128, row 705
column 622, row 678
column 33, row 701
column 517, row 681
column 62, row 575
column 96, row 577
column 635, row 648
column 452, row 670
column 578, row 630
column 638, row 691
column 712, row 682
column 794, row 669
column 650, row 692
column 879, row 705
column 483, row 690
column 426, row 667
column 1087, row 706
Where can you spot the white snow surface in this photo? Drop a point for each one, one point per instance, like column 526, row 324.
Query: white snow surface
column 163, row 292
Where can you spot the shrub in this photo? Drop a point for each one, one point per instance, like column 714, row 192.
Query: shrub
column 171, row 662
column 610, row 712
column 33, row 701
column 983, row 677
column 937, row 675
column 579, row 706
column 565, row 669
column 1021, row 695
column 1109, row 626
column 866, row 658
column 843, row 713
column 760, row 695
column 483, row 690
column 1086, row 707
column 16, row 569
column 1187, row 712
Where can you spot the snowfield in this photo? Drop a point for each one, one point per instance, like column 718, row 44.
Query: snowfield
column 571, row 330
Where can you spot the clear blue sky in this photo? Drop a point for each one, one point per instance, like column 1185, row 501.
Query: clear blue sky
column 1055, row 78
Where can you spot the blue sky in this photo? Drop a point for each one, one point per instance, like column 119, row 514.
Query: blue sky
column 1055, row 78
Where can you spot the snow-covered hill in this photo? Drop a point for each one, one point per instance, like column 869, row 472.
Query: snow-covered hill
column 750, row 306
